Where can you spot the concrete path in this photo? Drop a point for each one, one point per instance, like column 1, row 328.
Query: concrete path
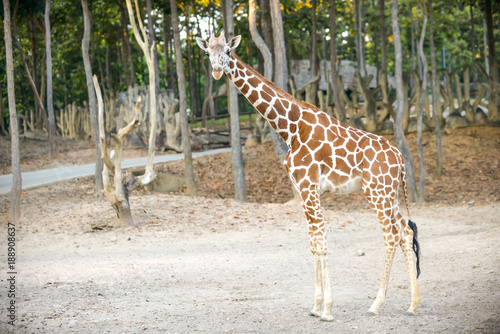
column 55, row 175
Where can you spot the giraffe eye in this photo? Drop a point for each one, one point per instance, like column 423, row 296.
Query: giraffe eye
column 206, row 53
column 228, row 52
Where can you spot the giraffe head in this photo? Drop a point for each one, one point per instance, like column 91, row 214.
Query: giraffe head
column 219, row 51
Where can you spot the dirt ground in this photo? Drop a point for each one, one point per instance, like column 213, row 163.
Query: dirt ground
column 207, row 264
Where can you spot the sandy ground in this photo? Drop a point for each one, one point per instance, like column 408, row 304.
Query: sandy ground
column 212, row 266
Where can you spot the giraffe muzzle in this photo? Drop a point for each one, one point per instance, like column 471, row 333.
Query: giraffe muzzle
column 217, row 73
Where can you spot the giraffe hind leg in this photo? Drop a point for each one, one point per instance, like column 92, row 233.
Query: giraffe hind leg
column 409, row 245
column 390, row 222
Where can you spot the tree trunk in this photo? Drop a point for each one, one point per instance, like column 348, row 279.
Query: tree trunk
column 473, row 41
column 109, row 79
column 485, row 42
column 423, row 97
column 3, row 131
column 280, row 68
column 152, row 39
column 43, row 121
column 33, row 57
column 192, row 98
column 166, row 40
column 15, row 194
column 17, row 45
column 91, row 93
column 314, row 41
column 268, row 63
column 186, row 140
column 339, row 105
column 488, row 13
column 117, row 193
column 267, row 28
column 383, row 35
column 494, row 84
column 50, row 105
column 232, row 94
column 360, row 43
column 401, row 97
column 142, row 39
column 127, row 48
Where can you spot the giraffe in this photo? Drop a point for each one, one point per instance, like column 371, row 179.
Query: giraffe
column 327, row 155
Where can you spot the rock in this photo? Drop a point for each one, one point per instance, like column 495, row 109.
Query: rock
column 133, row 140
column 360, row 252
column 480, row 117
column 166, row 183
column 456, row 122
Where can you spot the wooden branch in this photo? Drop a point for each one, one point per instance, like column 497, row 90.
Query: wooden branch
column 122, row 133
column 137, row 35
column 102, row 134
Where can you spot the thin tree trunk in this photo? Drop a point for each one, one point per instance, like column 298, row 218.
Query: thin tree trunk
column 383, row 34
column 152, row 39
column 15, row 194
column 314, row 42
column 267, row 57
column 142, row 39
column 334, row 62
column 488, row 13
column 360, row 50
column 33, row 57
column 109, row 79
column 401, row 97
column 485, row 39
column 17, row 45
column 50, row 105
column 280, row 69
column 192, row 99
column 435, row 97
column 232, row 94
column 92, row 97
column 131, row 81
column 473, row 41
column 423, row 97
column 186, row 140
column 3, row 131
column 125, row 42
column 43, row 114
column 166, row 40
column 267, row 27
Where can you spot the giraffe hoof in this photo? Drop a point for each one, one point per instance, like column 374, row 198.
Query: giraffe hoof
column 370, row 314
column 328, row 317
column 314, row 314
column 410, row 314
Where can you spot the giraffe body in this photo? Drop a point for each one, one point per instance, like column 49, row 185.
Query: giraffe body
column 327, row 155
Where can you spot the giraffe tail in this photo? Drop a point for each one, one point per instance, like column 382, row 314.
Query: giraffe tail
column 416, row 245
column 411, row 224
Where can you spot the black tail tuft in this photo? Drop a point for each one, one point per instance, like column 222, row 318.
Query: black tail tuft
column 416, row 245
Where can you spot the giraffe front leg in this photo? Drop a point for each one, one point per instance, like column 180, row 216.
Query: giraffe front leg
column 328, row 296
column 323, row 295
column 318, row 291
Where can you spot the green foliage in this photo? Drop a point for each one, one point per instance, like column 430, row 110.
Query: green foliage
column 452, row 31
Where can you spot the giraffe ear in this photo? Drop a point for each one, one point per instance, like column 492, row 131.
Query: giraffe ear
column 234, row 42
column 202, row 43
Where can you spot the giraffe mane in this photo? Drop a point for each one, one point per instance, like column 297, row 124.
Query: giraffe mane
column 281, row 93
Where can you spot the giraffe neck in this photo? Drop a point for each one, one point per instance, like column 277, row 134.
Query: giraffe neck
column 279, row 108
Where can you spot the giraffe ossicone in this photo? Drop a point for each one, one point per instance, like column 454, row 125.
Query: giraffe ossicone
column 327, row 155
